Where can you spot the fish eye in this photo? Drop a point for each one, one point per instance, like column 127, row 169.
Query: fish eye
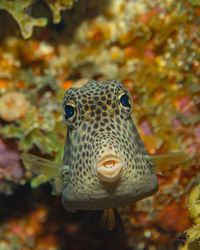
column 70, row 112
column 124, row 101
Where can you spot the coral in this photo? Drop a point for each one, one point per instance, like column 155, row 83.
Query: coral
column 193, row 234
column 11, row 171
column 57, row 6
column 26, row 22
column 194, row 204
column 13, row 106
column 193, row 238
column 24, row 233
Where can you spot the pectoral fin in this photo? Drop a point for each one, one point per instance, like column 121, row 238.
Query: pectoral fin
column 49, row 169
column 108, row 219
column 169, row 161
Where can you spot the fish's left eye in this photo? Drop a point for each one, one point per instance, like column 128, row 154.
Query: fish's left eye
column 125, row 101
column 70, row 112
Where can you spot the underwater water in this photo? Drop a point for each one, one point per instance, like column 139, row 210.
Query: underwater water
column 46, row 47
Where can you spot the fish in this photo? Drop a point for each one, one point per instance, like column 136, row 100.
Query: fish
column 105, row 163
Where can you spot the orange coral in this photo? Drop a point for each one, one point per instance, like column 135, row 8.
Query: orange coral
column 13, row 106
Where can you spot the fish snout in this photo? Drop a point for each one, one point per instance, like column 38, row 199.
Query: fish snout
column 109, row 168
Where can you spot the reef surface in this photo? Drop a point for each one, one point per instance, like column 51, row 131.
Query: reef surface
column 153, row 47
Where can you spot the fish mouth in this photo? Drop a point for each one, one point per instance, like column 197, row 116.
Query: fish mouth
column 109, row 168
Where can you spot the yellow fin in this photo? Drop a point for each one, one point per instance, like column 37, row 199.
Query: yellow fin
column 108, row 219
column 49, row 169
column 169, row 161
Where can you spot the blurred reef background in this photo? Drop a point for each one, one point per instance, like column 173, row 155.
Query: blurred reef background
column 47, row 46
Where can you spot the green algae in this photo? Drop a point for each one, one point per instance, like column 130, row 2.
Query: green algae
column 42, row 127
column 17, row 9
column 25, row 22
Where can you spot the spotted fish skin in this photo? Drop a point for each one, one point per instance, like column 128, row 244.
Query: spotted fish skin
column 102, row 127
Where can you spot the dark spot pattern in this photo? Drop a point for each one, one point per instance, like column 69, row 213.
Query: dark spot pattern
column 102, row 127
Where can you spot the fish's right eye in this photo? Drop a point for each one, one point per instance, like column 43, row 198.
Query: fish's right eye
column 70, row 112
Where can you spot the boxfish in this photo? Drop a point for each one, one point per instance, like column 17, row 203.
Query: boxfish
column 105, row 163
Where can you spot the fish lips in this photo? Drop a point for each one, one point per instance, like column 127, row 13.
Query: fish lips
column 109, row 168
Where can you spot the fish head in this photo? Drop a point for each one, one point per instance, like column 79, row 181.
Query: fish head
column 106, row 156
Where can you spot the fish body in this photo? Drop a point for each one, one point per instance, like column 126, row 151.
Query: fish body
column 106, row 155
column 105, row 163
